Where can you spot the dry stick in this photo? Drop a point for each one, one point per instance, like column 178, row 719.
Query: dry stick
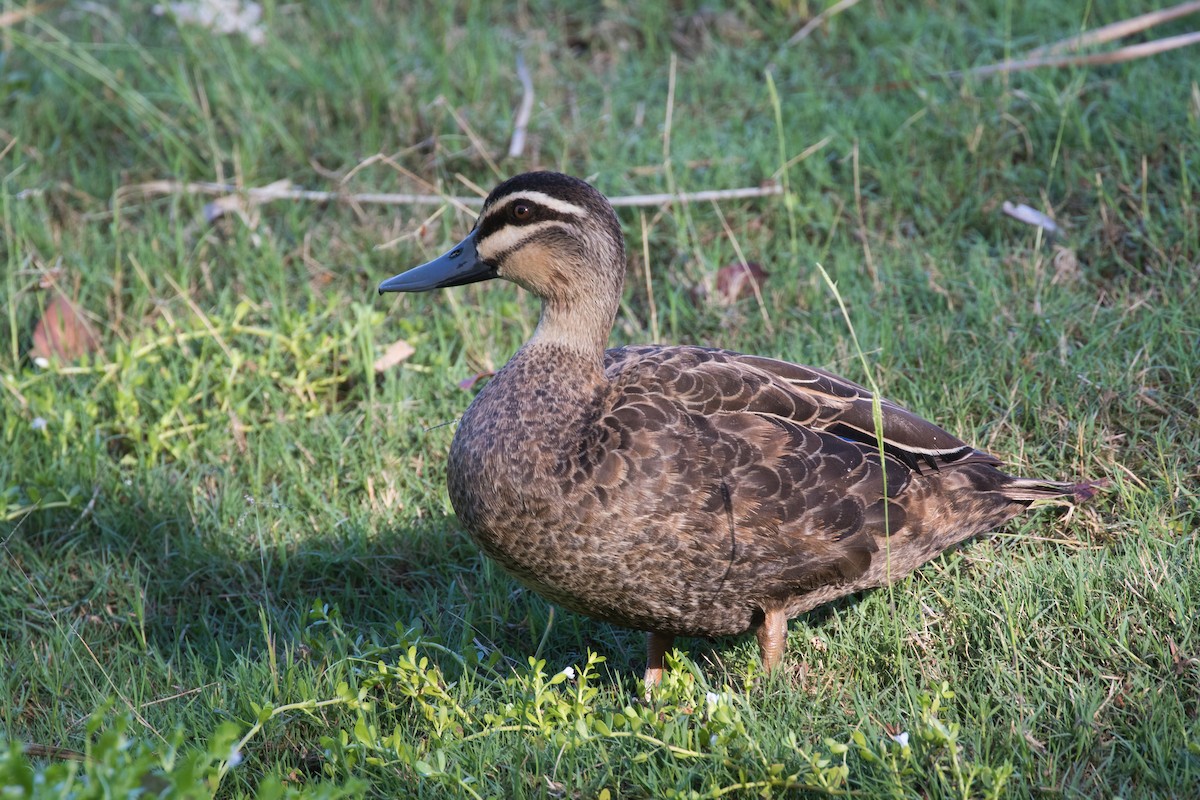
column 1116, row 30
column 422, row 182
column 366, row 162
column 470, row 184
column 796, row 159
column 476, row 141
column 816, row 21
column 630, row 200
column 416, row 232
column 34, row 750
column 178, row 695
column 517, row 145
column 1130, row 53
column 263, row 194
column 112, row 684
column 199, row 312
column 87, row 511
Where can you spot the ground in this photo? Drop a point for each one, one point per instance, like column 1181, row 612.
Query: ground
column 225, row 534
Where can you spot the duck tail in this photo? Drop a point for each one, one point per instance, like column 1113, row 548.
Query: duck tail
column 1029, row 490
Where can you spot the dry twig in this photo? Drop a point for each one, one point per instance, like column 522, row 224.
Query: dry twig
column 87, row 511
column 275, row 192
column 629, row 200
column 1116, row 30
column 517, row 145
column 472, row 136
column 1130, row 53
column 816, row 21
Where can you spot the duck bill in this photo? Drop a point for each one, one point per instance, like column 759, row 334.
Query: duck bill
column 461, row 265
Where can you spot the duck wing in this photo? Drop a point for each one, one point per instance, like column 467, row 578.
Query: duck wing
column 713, row 381
column 779, row 460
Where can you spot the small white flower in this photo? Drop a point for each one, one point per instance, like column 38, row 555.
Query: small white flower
column 712, row 740
column 901, row 738
column 570, row 673
column 713, row 698
column 39, row 423
column 42, row 362
column 235, row 756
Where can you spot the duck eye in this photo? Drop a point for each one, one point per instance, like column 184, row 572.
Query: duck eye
column 522, row 211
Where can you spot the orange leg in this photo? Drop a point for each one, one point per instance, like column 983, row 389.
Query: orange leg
column 772, row 639
column 657, row 644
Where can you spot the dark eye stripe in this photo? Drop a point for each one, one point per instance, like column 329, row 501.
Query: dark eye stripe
column 494, row 221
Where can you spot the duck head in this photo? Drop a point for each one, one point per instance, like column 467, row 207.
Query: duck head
column 552, row 234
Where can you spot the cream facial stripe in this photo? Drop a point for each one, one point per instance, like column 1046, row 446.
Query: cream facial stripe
column 509, row 237
column 542, row 199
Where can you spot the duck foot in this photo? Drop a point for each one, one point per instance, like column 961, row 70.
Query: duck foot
column 657, row 645
column 772, row 638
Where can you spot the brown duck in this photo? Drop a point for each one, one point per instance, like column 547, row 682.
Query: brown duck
column 684, row 491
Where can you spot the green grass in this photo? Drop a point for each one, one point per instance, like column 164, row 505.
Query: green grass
column 231, row 530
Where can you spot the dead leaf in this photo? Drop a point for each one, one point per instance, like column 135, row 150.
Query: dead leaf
column 1066, row 266
column 1038, row 746
column 397, row 352
column 63, row 333
column 737, row 279
column 467, row 384
column 1180, row 661
column 10, row 18
column 239, row 432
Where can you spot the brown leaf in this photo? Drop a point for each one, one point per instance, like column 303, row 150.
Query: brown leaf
column 239, row 432
column 397, row 352
column 10, row 18
column 63, row 332
column 1066, row 266
column 467, row 384
column 736, row 279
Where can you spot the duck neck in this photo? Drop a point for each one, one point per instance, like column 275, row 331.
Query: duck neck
column 579, row 328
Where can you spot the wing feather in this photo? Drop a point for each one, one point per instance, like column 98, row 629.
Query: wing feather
column 714, row 381
column 806, row 491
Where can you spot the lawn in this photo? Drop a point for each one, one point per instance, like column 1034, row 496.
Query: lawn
column 228, row 563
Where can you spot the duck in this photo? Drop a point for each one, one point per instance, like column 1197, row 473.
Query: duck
column 681, row 490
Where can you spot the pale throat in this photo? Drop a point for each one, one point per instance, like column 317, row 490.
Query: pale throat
column 582, row 325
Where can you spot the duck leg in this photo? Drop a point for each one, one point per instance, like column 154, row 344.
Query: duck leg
column 657, row 645
column 772, row 638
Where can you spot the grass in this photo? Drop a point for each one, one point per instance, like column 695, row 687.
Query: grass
column 231, row 536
